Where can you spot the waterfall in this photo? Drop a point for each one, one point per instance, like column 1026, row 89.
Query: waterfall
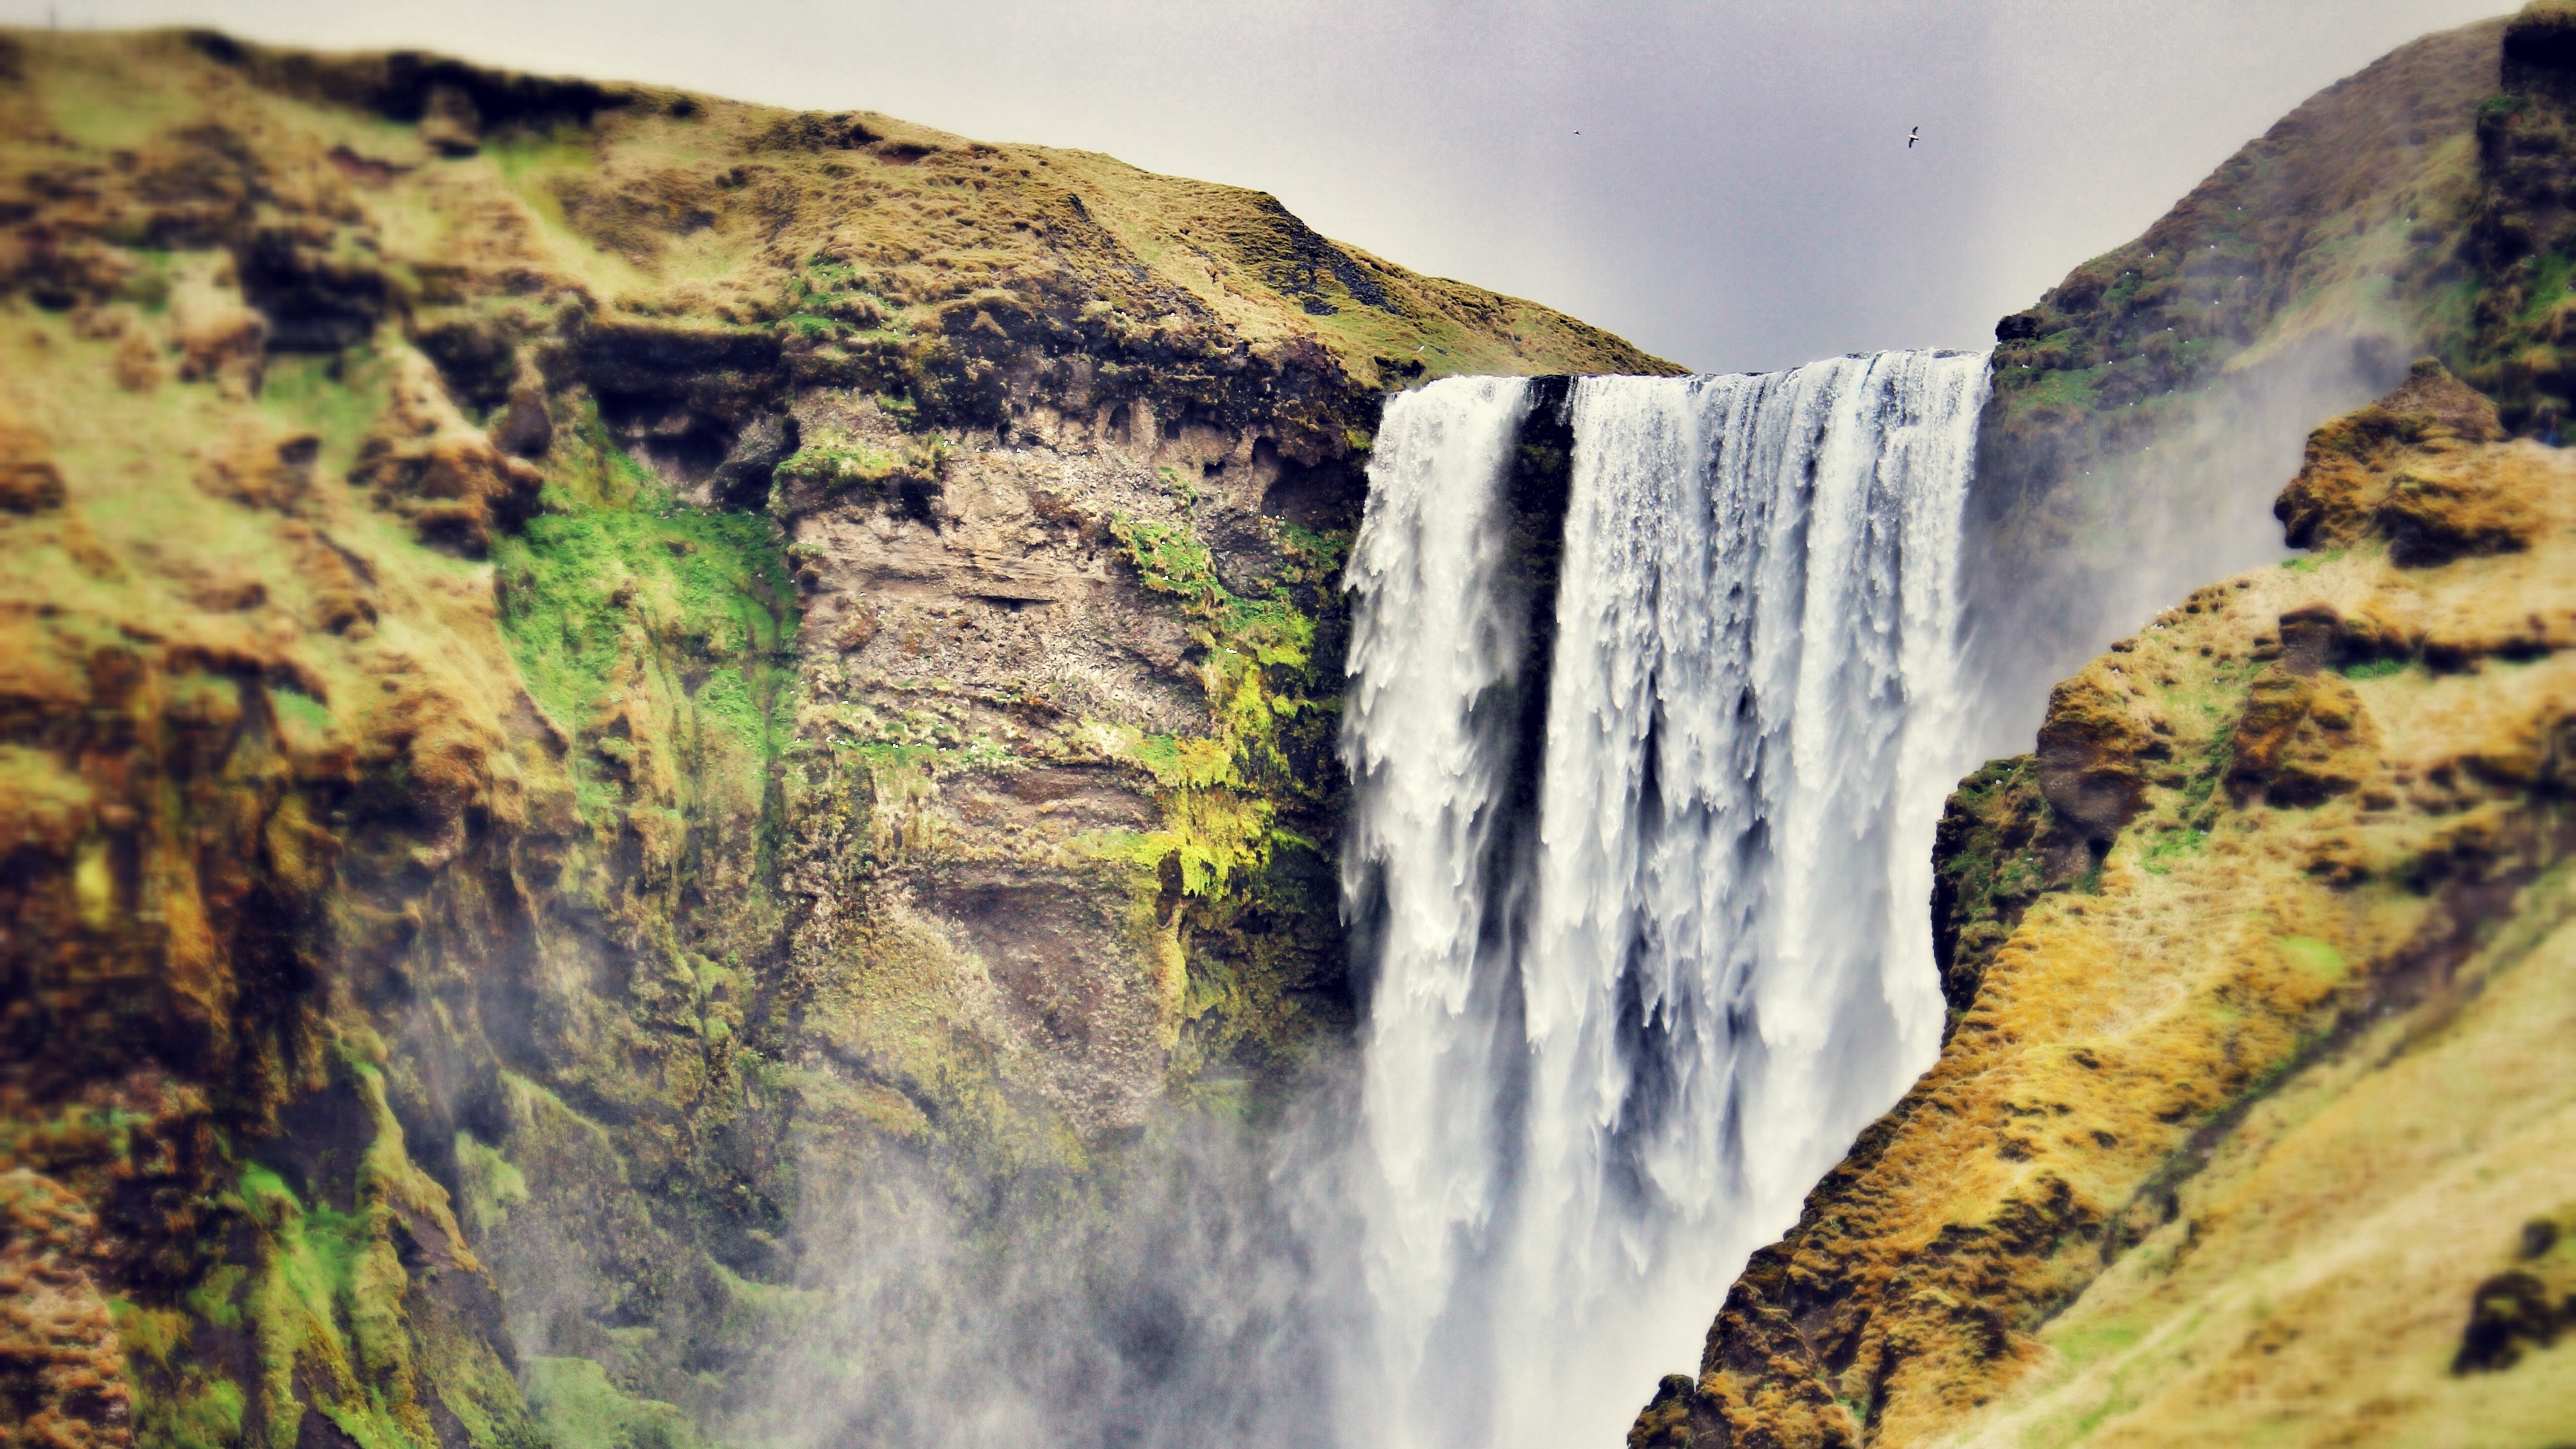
column 1644, row 889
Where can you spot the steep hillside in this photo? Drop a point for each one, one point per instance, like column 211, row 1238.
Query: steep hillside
column 583, row 668
column 2255, row 1118
column 2146, row 409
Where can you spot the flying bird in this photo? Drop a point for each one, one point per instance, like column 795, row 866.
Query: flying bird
column 1913, row 136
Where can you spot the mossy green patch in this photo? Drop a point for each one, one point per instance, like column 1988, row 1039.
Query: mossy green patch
column 1228, row 798
column 583, row 1409
column 624, row 607
column 2163, row 851
column 326, row 1301
column 2318, row 958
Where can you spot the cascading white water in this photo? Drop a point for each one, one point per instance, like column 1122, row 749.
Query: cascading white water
column 1604, row 1065
column 1435, row 649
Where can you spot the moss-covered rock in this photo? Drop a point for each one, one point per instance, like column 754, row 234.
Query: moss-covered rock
column 589, row 674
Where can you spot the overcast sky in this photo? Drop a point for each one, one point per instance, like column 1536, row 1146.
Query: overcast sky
column 1739, row 196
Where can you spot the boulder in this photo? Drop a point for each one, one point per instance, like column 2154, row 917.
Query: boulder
column 425, row 461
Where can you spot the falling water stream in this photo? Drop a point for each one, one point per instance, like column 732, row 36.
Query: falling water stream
column 1651, row 710
column 1649, row 947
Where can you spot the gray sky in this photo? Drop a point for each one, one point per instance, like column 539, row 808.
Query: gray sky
column 1740, row 195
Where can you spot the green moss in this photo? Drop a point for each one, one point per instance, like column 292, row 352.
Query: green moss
column 1217, row 790
column 2164, row 850
column 216, row 1297
column 1988, row 858
column 687, row 616
column 2051, row 392
column 492, row 1183
column 177, row 1403
column 207, row 1414
column 325, row 1303
column 838, row 466
column 296, row 709
column 337, row 397
column 1249, row 875
column 583, row 1409
column 2318, row 958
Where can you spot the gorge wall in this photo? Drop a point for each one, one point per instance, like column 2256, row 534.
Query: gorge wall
column 606, row 693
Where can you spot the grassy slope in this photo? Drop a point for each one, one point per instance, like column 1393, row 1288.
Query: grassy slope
column 2314, row 1284
column 678, row 205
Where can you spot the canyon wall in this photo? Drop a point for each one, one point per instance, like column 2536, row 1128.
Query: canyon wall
column 590, row 671
column 603, row 692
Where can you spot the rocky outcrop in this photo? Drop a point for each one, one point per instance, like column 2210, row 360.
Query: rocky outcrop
column 2183, row 1149
column 423, row 460
column 62, row 1363
column 1997, row 849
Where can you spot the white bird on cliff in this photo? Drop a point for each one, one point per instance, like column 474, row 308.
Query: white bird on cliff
column 1913, row 136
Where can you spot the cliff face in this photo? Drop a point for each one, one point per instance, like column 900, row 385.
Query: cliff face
column 2256, row 1114
column 584, row 667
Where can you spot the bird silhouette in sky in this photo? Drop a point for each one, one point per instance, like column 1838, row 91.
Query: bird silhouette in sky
column 1913, row 136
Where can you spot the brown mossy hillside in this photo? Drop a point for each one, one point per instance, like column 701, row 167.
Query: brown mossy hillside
column 2346, row 211
column 585, row 673
column 2227, row 1136
column 2417, row 206
column 714, row 252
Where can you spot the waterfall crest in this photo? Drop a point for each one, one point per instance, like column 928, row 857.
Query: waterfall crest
column 1650, row 947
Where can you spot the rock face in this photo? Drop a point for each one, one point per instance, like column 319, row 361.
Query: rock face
column 2246, row 1101
column 583, row 668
